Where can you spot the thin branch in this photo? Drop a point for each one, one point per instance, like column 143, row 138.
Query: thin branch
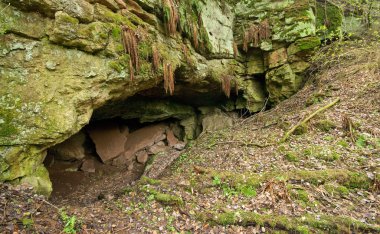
column 286, row 136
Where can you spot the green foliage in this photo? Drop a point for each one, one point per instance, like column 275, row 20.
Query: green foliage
column 246, row 190
column 343, row 143
column 361, row 141
column 216, row 181
column 70, row 222
column 291, row 157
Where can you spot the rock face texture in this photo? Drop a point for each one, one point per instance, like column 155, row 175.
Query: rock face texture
column 62, row 60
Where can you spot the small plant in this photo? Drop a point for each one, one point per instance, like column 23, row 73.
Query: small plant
column 291, row 157
column 361, row 141
column 216, row 180
column 70, row 222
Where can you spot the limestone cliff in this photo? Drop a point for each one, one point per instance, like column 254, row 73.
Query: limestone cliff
column 61, row 60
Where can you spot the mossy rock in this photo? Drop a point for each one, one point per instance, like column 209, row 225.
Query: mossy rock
column 304, row 45
column 168, row 199
column 329, row 20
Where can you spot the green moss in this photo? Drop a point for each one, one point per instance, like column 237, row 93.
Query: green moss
column 65, row 18
column 336, row 189
column 301, row 195
column 325, row 125
column 305, row 224
column 7, row 125
column 116, row 66
column 303, row 230
column 304, row 45
column 168, row 199
column 343, row 143
column 302, row 129
column 329, row 20
column 327, row 155
column 147, row 180
column 292, row 157
column 358, row 180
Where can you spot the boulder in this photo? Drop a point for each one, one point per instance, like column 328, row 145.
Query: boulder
column 71, row 149
column 180, row 145
column 88, row 165
column 160, row 162
column 108, row 140
column 143, row 138
column 172, row 140
column 281, row 83
column 216, row 120
column 157, row 148
column 277, row 58
column 142, row 157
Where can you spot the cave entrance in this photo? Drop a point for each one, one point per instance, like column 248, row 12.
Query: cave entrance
column 108, row 154
column 125, row 136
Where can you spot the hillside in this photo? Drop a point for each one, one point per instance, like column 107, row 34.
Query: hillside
column 249, row 179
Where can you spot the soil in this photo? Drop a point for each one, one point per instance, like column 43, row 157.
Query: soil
column 323, row 178
column 75, row 187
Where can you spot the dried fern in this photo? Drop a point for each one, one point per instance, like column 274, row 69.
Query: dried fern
column 171, row 17
column 156, row 58
column 255, row 34
column 195, row 35
column 235, row 49
column 130, row 44
column 226, row 85
column 168, row 78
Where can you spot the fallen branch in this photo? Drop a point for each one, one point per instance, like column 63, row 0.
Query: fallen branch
column 286, row 136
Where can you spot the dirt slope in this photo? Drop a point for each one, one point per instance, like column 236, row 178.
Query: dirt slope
column 324, row 178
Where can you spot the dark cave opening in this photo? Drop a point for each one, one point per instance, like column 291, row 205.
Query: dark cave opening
column 115, row 147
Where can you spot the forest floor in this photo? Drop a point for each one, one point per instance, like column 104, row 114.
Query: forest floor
column 325, row 177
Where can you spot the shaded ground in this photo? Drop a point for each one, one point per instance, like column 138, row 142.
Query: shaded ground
column 324, row 178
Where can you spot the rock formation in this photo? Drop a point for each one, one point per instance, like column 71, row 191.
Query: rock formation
column 63, row 63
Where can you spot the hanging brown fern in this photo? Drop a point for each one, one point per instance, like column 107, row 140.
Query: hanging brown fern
column 131, row 71
column 235, row 49
column 264, row 30
column 171, row 17
column 185, row 52
column 156, row 58
column 168, row 78
column 195, row 35
column 226, row 85
column 255, row 34
column 129, row 41
column 236, row 88
column 245, row 41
